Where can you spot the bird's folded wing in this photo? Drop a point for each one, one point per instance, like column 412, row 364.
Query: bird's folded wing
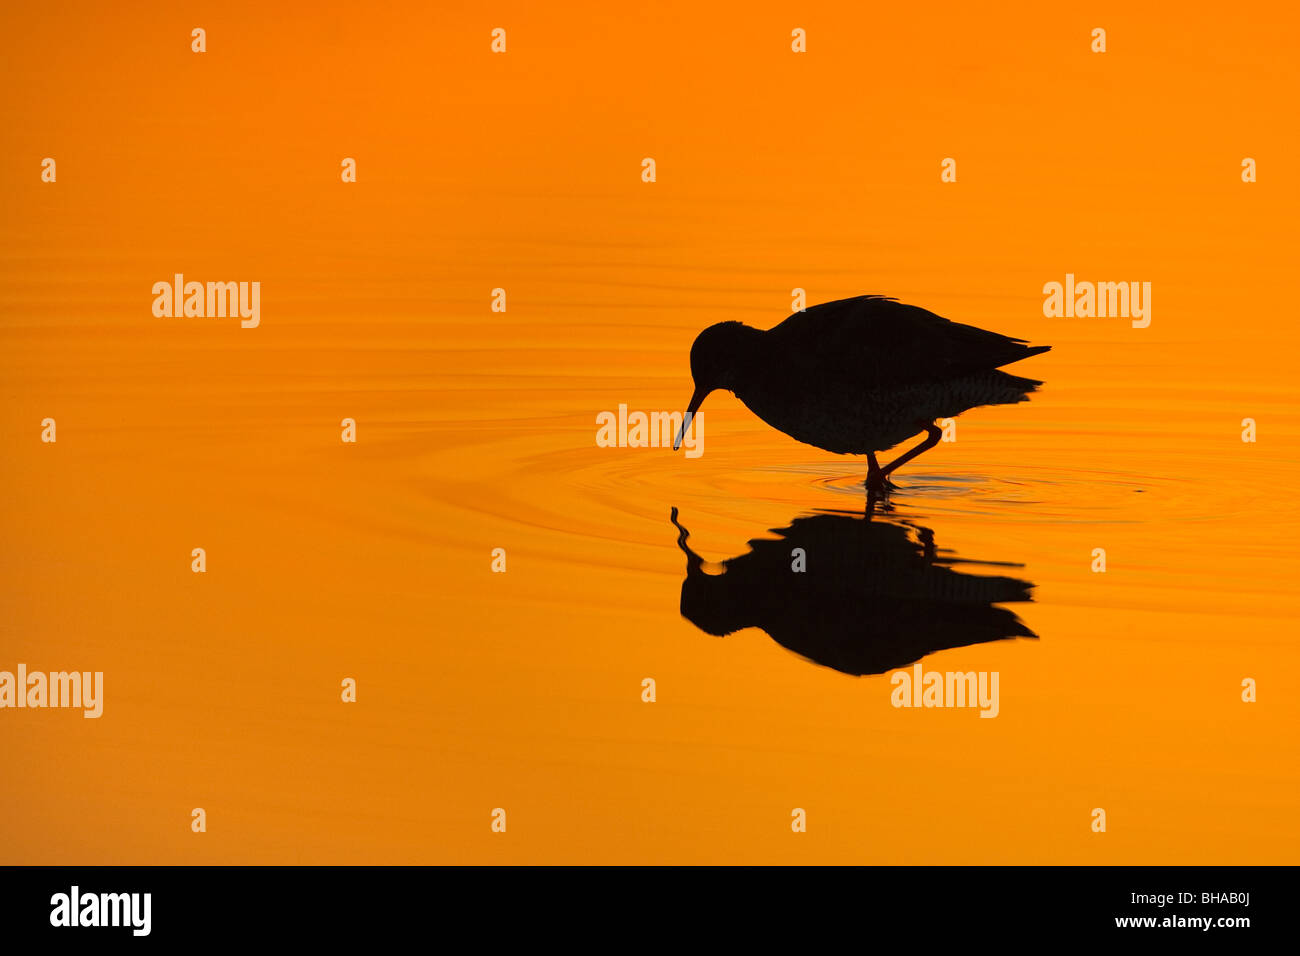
column 887, row 343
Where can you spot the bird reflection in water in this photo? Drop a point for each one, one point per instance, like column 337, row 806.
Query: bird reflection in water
column 858, row 595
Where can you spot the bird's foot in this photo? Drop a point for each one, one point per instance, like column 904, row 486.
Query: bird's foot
column 879, row 484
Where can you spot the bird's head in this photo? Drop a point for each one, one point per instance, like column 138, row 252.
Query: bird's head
column 717, row 361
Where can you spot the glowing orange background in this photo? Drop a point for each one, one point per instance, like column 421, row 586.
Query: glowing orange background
column 476, row 429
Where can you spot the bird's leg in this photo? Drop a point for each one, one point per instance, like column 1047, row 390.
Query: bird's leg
column 932, row 435
column 876, row 482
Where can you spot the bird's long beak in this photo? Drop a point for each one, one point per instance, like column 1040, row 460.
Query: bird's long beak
column 696, row 401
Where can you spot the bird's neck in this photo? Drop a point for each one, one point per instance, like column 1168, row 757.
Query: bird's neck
column 747, row 355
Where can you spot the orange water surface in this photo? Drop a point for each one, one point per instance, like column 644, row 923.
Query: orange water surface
column 476, row 429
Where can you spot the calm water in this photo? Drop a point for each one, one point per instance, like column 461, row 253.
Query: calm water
column 522, row 690
column 476, row 430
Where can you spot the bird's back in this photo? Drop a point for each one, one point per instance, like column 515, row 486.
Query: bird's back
column 880, row 342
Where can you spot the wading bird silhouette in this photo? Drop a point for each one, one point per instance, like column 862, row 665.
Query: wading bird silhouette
column 871, row 596
column 857, row 376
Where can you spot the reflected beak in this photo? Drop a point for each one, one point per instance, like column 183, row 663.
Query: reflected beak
column 696, row 401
